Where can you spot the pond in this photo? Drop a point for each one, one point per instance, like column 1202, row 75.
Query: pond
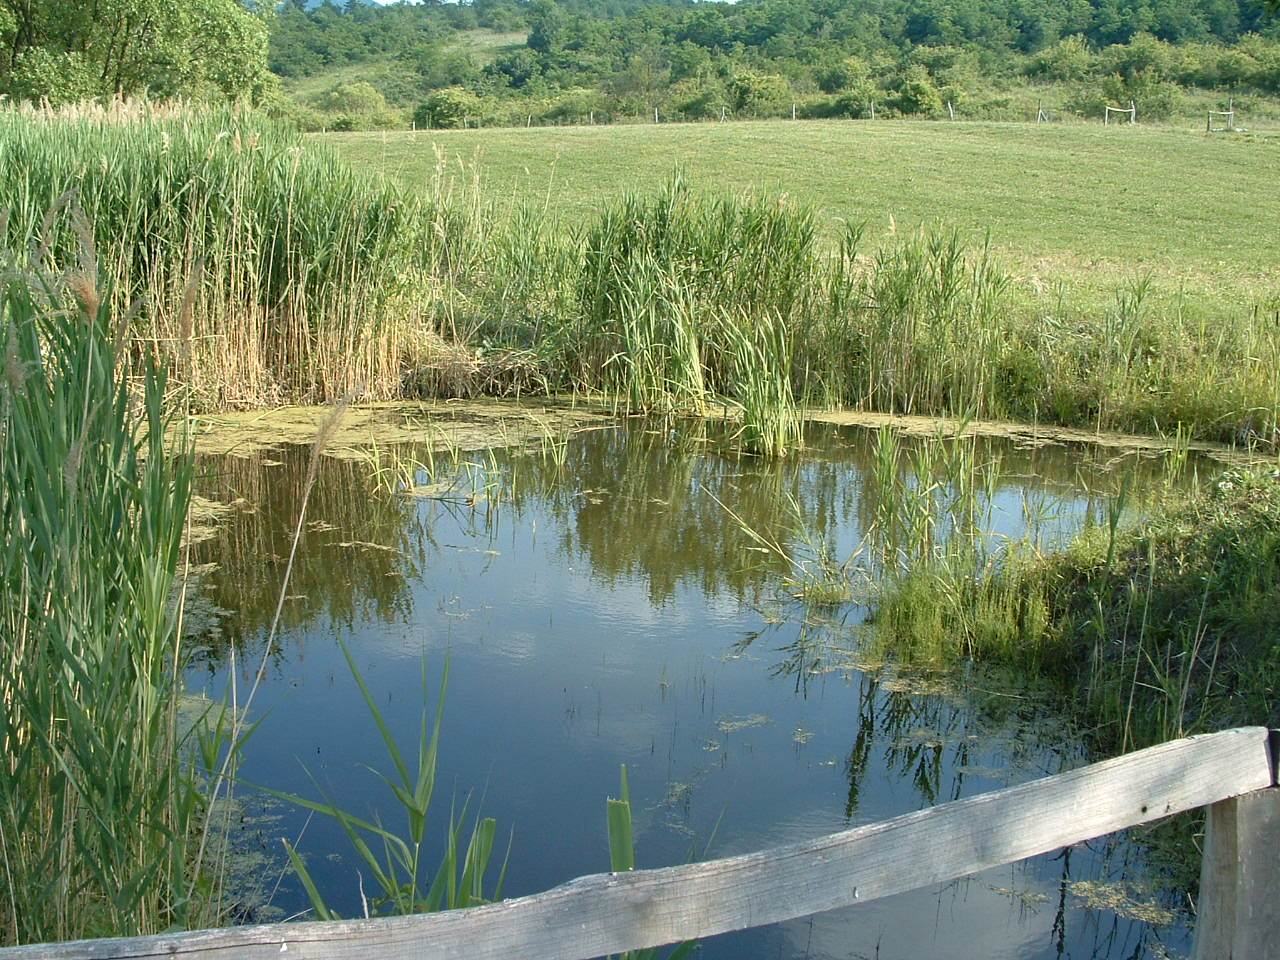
column 600, row 603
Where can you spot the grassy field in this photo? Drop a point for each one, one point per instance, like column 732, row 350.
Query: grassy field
column 1085, row 204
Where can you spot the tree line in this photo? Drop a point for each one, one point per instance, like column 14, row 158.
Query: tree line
column 500, row 61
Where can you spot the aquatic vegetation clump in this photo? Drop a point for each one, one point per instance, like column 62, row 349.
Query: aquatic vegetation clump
column 1161, row 629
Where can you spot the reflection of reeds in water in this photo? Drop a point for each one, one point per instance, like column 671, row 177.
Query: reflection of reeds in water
column 639, row 502
column 357, row 550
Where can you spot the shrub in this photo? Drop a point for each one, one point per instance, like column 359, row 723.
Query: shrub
column 760, row 94
column 1068, row 59
column 357, row 106
column 917, row 94
column 1155, row 99
column 447, row 108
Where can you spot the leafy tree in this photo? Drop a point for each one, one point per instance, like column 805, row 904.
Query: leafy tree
column 41, row 74
column 546, row 26
column 758, row 94
column 918, row 95
column 1068, row 59
column 516, row 68
column 842, row 75
column 446, row 108
column 64, row 49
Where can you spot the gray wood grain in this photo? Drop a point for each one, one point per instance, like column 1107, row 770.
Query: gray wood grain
column 1239, row 909
column 607, row 913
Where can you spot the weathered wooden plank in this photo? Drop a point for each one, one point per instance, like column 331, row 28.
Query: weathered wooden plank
column 605, row 914
column 1239, row 910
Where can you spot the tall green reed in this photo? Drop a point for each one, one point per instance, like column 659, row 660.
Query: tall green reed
column 313, row 278
column 100, row 786
column 395, row 858
column 319, row 282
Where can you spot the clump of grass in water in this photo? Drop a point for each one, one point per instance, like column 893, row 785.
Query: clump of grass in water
column 405, row 885
column 101, row 798
column 681, row 300
column 1158, row 630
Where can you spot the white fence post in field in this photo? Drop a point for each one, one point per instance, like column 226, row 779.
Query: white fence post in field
column 1238, row 917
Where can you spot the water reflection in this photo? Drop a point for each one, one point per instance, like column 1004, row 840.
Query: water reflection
column 608, row 608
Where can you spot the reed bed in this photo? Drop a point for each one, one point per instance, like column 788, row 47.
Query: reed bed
column 320, row 283
column 100, row 787
column 308, row 271
column 1157, row 629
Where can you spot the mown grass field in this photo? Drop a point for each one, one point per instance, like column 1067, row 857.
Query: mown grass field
column 1084, row 204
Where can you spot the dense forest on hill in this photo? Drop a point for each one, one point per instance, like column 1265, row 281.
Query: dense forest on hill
column 565, row 60
column 363, row 65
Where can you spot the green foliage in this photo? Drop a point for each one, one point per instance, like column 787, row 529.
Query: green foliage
column 843, row 75
column 357, row 106
column 693, row 59
column 101, row 798
column 446, row 109
column 60, row 78
column 64, row 50
column 1155, row 99
column 405, row 885
column 1069, row 59
column 756, row 94
column 918, row 95
column 1161, row 629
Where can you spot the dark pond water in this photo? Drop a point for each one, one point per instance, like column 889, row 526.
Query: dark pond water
column 606, row 609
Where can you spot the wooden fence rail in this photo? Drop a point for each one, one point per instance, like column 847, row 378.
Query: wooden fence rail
column 1233, row 773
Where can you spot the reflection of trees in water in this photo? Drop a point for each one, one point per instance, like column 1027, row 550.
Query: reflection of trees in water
column 647, row 511
column 636, row 503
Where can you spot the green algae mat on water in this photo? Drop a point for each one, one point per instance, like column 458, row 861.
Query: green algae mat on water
column 471, row 425
column 459, row 425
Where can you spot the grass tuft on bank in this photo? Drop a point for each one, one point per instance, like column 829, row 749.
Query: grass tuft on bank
column 1163, row 628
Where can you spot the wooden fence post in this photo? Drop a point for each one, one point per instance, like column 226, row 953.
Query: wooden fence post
column 1239, row 911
